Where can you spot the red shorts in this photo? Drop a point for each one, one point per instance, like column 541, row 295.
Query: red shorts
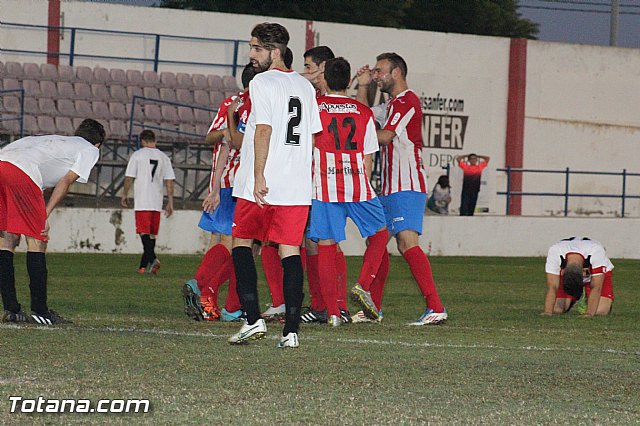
column 607, row 288
column 22, row 209
column 147, row 222
column 278, row 224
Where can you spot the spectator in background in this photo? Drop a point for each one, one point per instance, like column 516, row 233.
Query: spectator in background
column 440, row 197
column 471, row 182
column 150, row 168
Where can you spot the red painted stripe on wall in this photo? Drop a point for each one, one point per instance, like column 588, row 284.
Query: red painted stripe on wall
column 514, row 145
column 53, row 34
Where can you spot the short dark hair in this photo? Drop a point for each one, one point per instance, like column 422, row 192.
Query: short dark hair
column 319, row 54
column 92, row 131
column 272, row 36
column 337, row 73
column 288, row 58
column 396, row 62
column 147, row 135
column 247, row 75
column 572, row 280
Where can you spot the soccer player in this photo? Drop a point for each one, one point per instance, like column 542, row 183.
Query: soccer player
column 404, row 178
column 574, row 264
column 314, row 65
column 27, row 167
column 342, row 170
column 273, row 183
column 201, row 292
column 148, row 170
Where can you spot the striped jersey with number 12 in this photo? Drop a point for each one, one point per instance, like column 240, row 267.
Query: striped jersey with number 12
column 348, row 134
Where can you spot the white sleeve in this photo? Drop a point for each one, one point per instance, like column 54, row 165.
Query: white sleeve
column 370, row 138
column 85, row 160
column 169, row 174
column 132, row 166
column 553, row 260
column 260, row 102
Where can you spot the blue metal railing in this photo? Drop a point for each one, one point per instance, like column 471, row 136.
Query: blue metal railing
column 567, row 194
column 136, row 123
column 19, row 117
column 157, row 59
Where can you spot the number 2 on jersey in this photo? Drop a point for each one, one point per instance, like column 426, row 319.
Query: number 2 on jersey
column 349, row 145
column 295, row 116
column 154, row 166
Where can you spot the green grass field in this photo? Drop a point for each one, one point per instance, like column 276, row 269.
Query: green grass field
column 496, row 361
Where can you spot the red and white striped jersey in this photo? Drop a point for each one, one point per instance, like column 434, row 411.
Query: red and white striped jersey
column 348, row 134
column 233, row 160
column 402, row 165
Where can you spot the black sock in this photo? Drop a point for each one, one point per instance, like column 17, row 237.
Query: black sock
column 37, row 269
column 147, row 256
column 293, row 295
column 8, row 282
column 153, row 248
column 247, row 282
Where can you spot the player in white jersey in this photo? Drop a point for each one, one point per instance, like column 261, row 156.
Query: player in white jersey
column 27, row 167
column 148, row 170
column 574, row 264
column 404, row 179
column 273, row 183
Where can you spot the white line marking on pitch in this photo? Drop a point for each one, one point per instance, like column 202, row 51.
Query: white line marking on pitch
column 339, row 340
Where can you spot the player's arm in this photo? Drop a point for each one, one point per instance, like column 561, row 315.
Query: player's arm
column 553, row 282
column 61, row 189
column 214, row 137
column 235, row 136
column 128, row 182
column 385, row 137
column 212, row 200
column 594, row 295
column 168, row 210
column 364, row 79
column 368, row 165
column 485, row 158
column 261, row 146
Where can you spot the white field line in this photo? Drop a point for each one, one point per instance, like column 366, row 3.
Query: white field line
column 372, row 342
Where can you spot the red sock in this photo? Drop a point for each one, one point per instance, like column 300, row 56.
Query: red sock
column 211, row 264
column 341, row 268
column 421, row 271
column 372, row 258
column 303, row 258
column 377, row 286
column 273, row 273
column 317, row 303
column 328, row 277
column 232, row 302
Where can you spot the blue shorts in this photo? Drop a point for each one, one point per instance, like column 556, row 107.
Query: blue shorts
column 328, row 220
column 221, row 220
column 404, row 210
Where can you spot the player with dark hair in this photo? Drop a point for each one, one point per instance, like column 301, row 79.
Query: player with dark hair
column 27, row 167
column 472, row 174
column 578, row 263
column 273, row 183
column 150, row 169
column 404, row 179
column 216, row 267
column 342, row 172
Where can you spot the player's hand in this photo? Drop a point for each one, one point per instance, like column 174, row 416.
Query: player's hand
column 546, row 314
column 45, row 231
column 364, row 76
column 168, row 211
column 260, row 190
column 233, row 106
column 124, row 202
column 211, row 202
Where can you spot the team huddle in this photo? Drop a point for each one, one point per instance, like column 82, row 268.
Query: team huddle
column 292, row 159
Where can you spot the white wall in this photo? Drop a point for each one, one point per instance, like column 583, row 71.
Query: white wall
column 581, row 101
column 113, row 231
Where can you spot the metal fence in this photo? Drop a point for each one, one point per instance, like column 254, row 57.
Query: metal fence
column 78, row 48
column 567, row 194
